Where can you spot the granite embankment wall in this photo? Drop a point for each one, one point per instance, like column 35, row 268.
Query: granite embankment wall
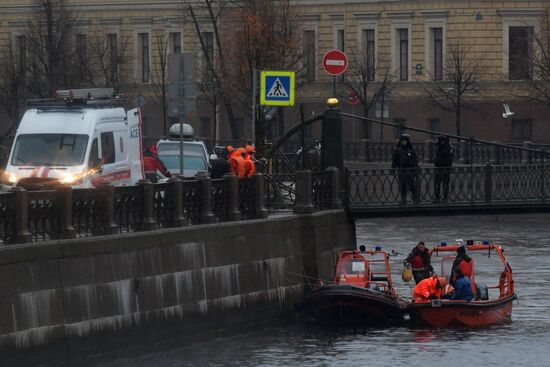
column 72, row 302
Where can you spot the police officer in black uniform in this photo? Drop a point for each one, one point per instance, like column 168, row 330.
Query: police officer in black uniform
column 443, row 161
column 405, row 161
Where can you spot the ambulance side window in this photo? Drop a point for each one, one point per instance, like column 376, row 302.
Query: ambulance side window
column 107, row 148
column 94, row 160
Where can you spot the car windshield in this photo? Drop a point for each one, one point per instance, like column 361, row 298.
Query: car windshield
column 175, row 146
column 195, row 163
column 49, row 150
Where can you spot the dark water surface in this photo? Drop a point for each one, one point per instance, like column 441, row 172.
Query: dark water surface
column 523, row 342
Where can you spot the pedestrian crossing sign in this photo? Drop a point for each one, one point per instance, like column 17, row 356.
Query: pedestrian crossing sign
column 277, row 88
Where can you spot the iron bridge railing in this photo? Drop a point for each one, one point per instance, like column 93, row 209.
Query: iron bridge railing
column 471, row 186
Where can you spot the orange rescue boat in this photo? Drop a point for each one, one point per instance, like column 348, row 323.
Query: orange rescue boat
column 492, row 303
column 362, row 292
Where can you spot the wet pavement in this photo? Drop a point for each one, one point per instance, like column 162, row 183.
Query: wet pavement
column 523, row 342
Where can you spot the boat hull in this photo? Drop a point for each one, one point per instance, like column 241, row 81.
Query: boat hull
column 346, row 304
column 461, row 313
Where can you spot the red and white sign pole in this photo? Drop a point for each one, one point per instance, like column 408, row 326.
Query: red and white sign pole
column 335, row 63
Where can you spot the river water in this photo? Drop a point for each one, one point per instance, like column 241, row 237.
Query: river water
column 523, row 342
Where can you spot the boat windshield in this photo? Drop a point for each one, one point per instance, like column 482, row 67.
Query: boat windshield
column 352, row 266
column 49, row 150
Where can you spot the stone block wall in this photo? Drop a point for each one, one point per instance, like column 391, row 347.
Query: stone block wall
column 79, row 300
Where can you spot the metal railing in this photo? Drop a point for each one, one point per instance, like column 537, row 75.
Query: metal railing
column 321, row 190
column 468, row 150
column 485, row 185
column 7, row 218
column 33, row 216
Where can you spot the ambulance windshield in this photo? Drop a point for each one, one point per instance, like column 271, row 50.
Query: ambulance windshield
column 49, row 150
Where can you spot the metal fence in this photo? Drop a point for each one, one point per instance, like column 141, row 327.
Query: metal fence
column 465, row 152
column 33, row 216
column 486, row 185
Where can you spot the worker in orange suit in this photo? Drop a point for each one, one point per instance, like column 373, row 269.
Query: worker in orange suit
column 429, row 288
column 249, row 166
column 236, row 161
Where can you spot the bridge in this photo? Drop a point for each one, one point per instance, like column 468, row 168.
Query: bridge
column 487, row 176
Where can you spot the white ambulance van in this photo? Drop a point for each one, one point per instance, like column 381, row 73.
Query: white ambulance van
column 80, row 139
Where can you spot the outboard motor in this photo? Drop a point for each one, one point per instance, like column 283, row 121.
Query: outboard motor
column 482, row 292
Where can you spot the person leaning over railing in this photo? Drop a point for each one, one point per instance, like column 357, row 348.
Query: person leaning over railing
column 236, row 161
column 249, row 166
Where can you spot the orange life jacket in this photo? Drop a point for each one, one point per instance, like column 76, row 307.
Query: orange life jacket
column 249, row 166
column 426, row 288
column 237, row 164
column 467, row 268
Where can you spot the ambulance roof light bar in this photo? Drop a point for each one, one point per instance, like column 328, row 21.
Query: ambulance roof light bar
column 76, row 99
column 87, row 94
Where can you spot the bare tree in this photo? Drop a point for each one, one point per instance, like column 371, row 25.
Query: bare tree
column 360, row 79
column 50, row 43
column 13, row 86
column 214, row 58
column 108, row 56
column 540, row 83
column 210, row 93
column 265, row 37
column 251, row 35
column 461, row 76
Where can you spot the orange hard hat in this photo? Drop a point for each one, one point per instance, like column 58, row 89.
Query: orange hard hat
column 241, row 150
column 442, row 282
column 230, row 149
column 250, row 149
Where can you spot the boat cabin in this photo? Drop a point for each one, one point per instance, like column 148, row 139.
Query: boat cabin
column 365, row 269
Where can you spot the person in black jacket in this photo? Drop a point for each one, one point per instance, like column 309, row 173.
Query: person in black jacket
column 219, row 168
column 443, row 161
column 406, row 163
column 419, row 260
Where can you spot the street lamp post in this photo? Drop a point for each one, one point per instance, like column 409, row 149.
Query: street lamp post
column 181, row 149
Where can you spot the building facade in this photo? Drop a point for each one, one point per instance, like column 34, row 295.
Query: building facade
column 408, row 43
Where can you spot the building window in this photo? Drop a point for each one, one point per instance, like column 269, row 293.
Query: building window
column 206, row 122
column 400, row 128
column 520, row 60
column 81, row 49
column 382, row 105
column 341, row 40
column 368, row 129
column 522, row 129
column 112, row 49
column 368, row 52
column 175, row 42
column 403, row 53
column 143, row 39
column 437, row 36
column 239, row 123
column 208, row 39
column 435, row 126
column 307, row 131
column 21, row 52
column 309, row 49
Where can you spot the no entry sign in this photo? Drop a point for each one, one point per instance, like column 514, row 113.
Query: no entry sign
column 335, row 62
